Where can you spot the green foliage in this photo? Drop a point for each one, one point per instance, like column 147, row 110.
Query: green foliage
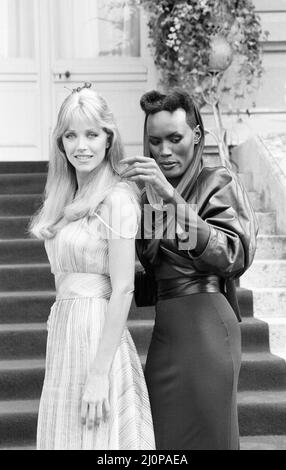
column 181, row 32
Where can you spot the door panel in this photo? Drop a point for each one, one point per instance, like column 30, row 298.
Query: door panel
column 41, row 40
column 19, row 92
column 86, row 29
column 102, row 45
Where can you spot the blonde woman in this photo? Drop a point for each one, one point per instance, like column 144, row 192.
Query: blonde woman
column 94, row 394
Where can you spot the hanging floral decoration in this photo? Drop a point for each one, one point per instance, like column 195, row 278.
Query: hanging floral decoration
column 191, row 39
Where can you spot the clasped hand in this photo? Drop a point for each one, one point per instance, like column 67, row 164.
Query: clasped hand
column 95, row 401
column 146, row 170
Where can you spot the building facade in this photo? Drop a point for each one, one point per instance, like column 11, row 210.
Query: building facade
column 49, row 47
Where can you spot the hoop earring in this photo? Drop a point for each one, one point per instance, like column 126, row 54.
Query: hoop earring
column 198, row 134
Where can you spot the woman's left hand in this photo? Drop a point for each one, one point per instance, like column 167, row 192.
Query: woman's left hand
column 146, row 170
column 95, row 406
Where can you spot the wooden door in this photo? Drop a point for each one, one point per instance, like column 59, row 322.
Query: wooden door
column 49, row 47
column 104, row 44
column 20, row 136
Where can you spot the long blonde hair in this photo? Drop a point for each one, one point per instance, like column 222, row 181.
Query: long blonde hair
column 60, row 204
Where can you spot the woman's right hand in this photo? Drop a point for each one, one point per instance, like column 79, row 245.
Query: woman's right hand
column 95, row 405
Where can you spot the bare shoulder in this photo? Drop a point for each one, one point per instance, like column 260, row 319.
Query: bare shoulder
column 121, row 203
column 122, row 192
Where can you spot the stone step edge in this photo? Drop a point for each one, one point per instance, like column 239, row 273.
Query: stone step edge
column 29, row 294
column 269, row 261
column 31, row 239
column 273, row 237
column 14, row 407
column 262, row 442
column 14, row 241
column 21, row 327
column 24, row 266
column 263, row 236
column 267, row 289
column 22, row 196
column 262, row 397
column 46, row 293
column 40, row 326
column 14, row 217
column 245, row 398
column 32, row 364
column 20, row 175
column 22, row 364
column 256, row 262
column 135, row 323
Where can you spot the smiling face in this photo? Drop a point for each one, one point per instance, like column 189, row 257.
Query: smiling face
column 171, row 142
column 85, row 144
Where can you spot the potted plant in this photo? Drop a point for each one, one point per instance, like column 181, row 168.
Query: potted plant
column 194, row 42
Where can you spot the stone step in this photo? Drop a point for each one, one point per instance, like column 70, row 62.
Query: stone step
column 31, row 250
column 22, row 183
column 18, row 422
column 21, row 379
column 14, row 227
column 25, row 307
column 245, row 301
column 19, row 205
column 265, row 273
column 23, row 341
column 33, row 307
column 277, row 335
column 26, row 277
column 267, row 222
column 269, row 302
column 28, row 340
column 262, row 371
column 28, row 250
column 246, row 443
column 247, row 180
column 254, row 335
column 263, row 442
column 256, row 201
column 22, row 446
column 271, row 247
column 22, row 251
column 23, row 167
column 262, row 412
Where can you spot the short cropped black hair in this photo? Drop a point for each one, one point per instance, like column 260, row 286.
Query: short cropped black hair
column 153, row 102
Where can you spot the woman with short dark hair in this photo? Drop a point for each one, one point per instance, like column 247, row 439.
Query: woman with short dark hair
column 208, row 240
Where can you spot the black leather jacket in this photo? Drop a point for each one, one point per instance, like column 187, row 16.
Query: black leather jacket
column 226, row 230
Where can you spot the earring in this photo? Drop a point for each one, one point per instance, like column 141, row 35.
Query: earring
column 198, row 134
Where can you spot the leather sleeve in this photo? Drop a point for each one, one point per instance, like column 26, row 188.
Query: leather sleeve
column 226, row 224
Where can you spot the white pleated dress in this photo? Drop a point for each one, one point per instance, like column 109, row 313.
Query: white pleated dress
column 78, row 255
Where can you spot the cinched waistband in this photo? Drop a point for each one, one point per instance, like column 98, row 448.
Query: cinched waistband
column 177, row 287
column 71, row 285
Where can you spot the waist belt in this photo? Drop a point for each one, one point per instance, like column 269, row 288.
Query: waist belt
column 177, row 287
column 168, row 288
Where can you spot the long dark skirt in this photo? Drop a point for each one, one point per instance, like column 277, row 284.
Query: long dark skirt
column 192, row 373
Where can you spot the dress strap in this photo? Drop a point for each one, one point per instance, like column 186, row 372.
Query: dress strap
column 130, row 235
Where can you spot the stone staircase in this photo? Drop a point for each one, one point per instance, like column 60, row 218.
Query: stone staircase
column 267, row 276
column 27, row 293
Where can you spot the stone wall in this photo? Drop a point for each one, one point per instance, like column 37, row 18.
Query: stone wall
column 265, row 158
